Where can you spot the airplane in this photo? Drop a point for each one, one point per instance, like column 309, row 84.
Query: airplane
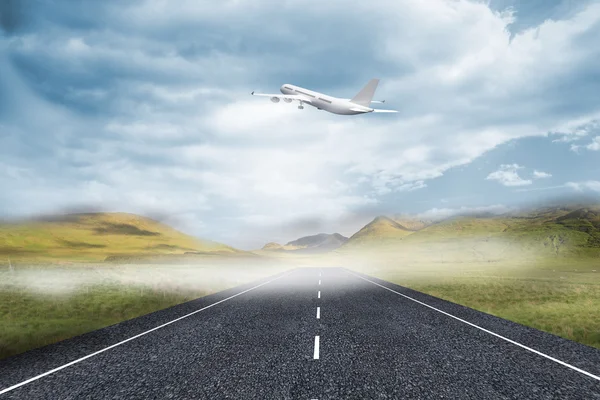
column 359, row 104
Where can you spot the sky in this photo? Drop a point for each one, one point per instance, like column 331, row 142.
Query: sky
column 145, row 107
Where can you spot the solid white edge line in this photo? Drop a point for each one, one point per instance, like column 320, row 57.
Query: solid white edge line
column 485, row 330
column 316, row 355
column 318, row 312
column 319, row 295
column 35, row 378
column 319, row 281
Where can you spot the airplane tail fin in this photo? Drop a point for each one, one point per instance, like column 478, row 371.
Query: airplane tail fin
column 366, row 94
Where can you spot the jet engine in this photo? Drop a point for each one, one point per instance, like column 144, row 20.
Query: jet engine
column 275, row 99
column 287, row 100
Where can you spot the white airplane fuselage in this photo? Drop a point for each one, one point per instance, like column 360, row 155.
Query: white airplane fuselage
column 324, row 102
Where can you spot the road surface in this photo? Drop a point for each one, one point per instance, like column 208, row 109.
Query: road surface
column 309, row 333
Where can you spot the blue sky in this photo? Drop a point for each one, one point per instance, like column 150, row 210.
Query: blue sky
column 144, row 106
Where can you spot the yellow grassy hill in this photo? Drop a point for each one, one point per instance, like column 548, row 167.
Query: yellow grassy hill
column 380, row 230
column 547, row 235
column 96, row 237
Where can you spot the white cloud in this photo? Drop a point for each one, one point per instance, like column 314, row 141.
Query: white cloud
column 582, row 186
column 576, row 129
column 409, row 187
column 181, row 132
column 540, row 175
column 541, row 188
column 508, row 176
column 595, row 145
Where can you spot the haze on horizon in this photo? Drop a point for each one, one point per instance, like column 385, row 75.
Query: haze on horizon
column 144, row 108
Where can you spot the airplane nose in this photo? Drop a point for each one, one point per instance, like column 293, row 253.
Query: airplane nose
column 281, row 89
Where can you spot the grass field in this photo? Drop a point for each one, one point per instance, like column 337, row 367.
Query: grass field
column 562, row 298
column 562, row 303
column 30, row 320
column 43, row 305
column 539, row 269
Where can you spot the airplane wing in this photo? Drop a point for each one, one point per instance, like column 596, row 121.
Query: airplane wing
column 387, row 111
column 296, row 97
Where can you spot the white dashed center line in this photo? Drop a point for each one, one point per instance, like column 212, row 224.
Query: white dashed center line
column 316, row 354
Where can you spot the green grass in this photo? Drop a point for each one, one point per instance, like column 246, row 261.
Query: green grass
column 40, row 305
column 561, row 302
column 29, row 320
column 562, row 307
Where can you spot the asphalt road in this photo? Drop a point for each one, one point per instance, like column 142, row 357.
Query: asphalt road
column 309, row 334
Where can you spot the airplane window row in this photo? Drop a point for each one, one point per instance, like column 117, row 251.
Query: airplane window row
column 306, row 94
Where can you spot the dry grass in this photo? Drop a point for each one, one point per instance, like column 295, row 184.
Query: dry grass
column 93, row 237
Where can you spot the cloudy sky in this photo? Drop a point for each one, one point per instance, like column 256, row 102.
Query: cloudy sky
column 144, row 107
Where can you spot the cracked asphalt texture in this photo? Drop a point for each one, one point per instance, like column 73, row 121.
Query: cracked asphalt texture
column 374, row 344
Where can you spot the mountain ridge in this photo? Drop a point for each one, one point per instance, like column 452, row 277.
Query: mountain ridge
column 320, row 242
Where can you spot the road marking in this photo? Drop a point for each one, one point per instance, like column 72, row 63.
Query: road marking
column 319, row 295
column 318, row 312
column 319, row 273
column 35, row 378
column 319, row 281
column 316, row 355
column 485, row 330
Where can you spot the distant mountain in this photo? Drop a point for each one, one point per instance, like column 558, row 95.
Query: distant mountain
column 322, row 242
column 272, row 246
column 410, row 223
column 380, row 229
column 98, row 237
column 563, row 231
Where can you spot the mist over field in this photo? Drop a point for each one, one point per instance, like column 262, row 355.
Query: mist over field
column 182, row 279
column 65, row 275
